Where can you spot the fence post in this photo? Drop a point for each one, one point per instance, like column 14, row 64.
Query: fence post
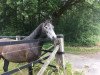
column 18, row 38
column 60, row 54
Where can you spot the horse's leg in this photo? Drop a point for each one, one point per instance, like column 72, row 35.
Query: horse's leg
column 6, row 64
column 30, row 70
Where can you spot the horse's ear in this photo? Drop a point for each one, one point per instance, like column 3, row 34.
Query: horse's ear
column 48, row 21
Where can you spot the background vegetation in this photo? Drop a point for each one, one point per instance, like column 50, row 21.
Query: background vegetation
column 78, row 20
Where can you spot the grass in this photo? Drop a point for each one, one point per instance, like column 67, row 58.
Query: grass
column 77, row 49
column 11, row 66
column 81, row 50
column 51, row 71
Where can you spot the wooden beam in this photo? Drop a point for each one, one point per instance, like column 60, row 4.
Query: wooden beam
column 18, row 42
column 47, row 62
column 18, row 38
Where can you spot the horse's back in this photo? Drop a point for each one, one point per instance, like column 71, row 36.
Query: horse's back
column 20, row 53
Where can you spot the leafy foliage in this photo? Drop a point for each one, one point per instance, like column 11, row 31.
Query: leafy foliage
column 78, row 20
column 81, row 24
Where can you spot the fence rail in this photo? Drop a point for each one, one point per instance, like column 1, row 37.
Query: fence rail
column 15, row 37
column 12, row 36
column 18, row 42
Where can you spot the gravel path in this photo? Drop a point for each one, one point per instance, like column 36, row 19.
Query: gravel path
column 88, row 64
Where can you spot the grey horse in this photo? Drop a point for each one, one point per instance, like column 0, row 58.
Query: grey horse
column 28, row 52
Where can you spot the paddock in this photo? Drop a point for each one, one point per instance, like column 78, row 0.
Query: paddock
column 56, row 52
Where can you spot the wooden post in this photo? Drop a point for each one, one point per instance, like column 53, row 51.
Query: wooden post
column 18, row 38
column 60, row 54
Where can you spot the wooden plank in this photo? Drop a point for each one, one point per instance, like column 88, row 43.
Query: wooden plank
column 47, row 62
column 11, row 36
column 18, row 42
column 60, row 55
column 18, row 38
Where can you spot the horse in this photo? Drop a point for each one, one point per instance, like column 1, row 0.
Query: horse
column 28, row 52
column 4, row 40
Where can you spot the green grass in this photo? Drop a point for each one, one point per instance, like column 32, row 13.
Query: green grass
column 77, row 49
column 1, row 65
column 81, row 50
column 48, row 71
column 11, row 67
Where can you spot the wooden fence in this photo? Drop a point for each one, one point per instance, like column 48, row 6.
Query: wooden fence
column 14, row 37
column 58, row 53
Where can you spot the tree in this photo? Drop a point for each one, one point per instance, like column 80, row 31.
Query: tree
column 81, row 24
column 79, row 18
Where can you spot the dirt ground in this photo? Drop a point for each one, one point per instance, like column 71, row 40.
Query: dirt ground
column 88, row 64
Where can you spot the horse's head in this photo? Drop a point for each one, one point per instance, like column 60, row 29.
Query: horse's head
column 48, row 29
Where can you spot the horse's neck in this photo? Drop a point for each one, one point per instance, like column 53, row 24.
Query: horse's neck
column 35, row 34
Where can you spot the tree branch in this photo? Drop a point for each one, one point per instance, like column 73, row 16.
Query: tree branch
column 63, row 8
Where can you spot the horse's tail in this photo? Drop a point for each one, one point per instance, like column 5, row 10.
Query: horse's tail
column 0, row 56
column 1, row 48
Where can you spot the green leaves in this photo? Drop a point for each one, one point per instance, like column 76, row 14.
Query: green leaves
column 79, row 23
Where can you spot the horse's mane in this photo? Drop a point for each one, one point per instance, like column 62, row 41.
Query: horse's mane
column 34, row 33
